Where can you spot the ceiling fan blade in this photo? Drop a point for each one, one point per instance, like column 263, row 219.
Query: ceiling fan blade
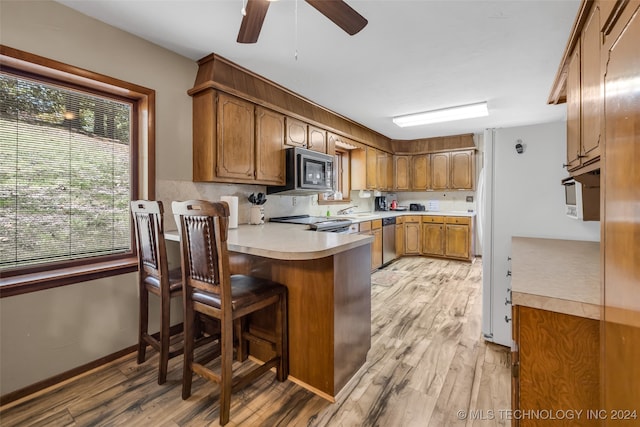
column 252, row 21
column 343, row 15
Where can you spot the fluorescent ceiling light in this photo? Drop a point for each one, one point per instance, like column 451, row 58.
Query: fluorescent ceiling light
column 444, row 115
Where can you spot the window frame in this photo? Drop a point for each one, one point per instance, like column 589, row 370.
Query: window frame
column 20, row 280
column 342, row 164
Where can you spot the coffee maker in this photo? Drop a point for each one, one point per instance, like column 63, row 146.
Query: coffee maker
column 380, row 203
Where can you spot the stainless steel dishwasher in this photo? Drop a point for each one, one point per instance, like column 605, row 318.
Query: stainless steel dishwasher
column 388, row 240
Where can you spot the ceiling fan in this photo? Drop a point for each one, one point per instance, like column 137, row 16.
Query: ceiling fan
column 343, row 15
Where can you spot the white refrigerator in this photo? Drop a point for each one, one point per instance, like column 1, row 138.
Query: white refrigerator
column 521, row 195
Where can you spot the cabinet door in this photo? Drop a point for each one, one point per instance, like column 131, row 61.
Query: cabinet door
column 440, row 171
column 590, row 88
column 402, row 170
column 399, row 239
column 376, row 249
column 389, row 172
column 573, row 110
column 557, row 352
column 433, row 239
column 462, row 170
column 235, row 145
column 412, row 238
column 421, row 172
column 296, row 133
column 358, row 169
column 457, row 241
column 317, row 140
column 381, row 174
column 372, row 168
column 270, row 167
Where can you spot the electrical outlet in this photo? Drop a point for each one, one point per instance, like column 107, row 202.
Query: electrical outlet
column 469, row 198
column 294, row 201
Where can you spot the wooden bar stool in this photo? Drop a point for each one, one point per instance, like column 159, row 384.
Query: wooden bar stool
column 211, row 290
column 154, row 277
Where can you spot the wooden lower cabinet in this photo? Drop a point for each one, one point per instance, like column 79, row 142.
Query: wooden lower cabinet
column 412, row 236
column 374, row 228
column 399, row 237
column 555, row 368
column 433, row 239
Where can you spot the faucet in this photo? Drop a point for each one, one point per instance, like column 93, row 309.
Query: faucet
column 347, row 210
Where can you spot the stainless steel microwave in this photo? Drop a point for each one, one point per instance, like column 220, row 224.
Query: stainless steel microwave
column 307, row 172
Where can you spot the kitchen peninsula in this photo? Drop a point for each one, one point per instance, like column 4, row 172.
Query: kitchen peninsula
column 329, row 295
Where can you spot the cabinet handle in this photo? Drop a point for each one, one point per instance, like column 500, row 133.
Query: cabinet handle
column 507, row 301
column 508, row 273
column 507, row 319
column 565, row 165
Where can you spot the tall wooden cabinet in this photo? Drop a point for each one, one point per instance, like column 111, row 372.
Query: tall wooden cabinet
column 236, row 141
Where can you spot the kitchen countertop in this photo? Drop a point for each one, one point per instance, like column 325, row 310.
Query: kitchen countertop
column 286, row 241
column 556, row 275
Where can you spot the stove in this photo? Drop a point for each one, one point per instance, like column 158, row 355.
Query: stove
column 316, row 223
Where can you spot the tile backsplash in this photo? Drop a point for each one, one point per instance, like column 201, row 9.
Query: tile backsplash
column 169, row 190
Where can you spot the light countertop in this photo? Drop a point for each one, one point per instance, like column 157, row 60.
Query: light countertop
column 556, row 275
column 287, row 241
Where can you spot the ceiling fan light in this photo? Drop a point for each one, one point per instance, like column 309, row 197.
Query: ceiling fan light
column 443, row 115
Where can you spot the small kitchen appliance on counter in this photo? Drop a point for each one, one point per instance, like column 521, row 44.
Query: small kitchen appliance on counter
column 380, row 203
column 416, row 207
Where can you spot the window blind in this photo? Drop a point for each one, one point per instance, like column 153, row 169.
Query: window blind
column 65, row 173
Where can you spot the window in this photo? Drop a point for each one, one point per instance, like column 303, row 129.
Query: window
column 71, row 144
column 341, row 164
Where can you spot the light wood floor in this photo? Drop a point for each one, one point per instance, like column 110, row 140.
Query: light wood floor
column 427, row 362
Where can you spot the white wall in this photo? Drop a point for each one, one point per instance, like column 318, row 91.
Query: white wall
column 49, row 332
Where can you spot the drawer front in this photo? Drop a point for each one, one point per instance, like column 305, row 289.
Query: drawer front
column 458, row 220
column 400, row 219
column 412, row 218
column 354, row 228
column 376, row 224
column 432, row 219
column 365, row 226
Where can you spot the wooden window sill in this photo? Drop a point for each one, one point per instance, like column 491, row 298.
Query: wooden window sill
column 31, row 282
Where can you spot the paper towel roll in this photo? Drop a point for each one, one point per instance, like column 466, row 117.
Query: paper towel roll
column 232, row 201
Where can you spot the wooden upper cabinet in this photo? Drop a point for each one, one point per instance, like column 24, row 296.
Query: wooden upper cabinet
column 235, row 138
column 270, row 156
column 372, row 168
column 332, row 141
column 591, row 96
column 573, row 110
column 402, row 170
column 462, row 170
column 389, row 172
column 421, row 172
column 358, row 169
column 317, row 139
column 440, row 171
column 296, row 132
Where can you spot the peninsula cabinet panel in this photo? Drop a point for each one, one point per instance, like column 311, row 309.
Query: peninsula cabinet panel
column 235, row 144
column 440, row 171
column 402, row 169
column 556, row 366
column 317, row 140
column 296, row 133
column 421, row 172
column 462, row 170
column 270, row 156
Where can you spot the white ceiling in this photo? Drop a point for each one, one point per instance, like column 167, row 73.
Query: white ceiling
column 412, row 56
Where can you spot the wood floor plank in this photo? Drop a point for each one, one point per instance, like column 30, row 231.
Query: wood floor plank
column 426, row 362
